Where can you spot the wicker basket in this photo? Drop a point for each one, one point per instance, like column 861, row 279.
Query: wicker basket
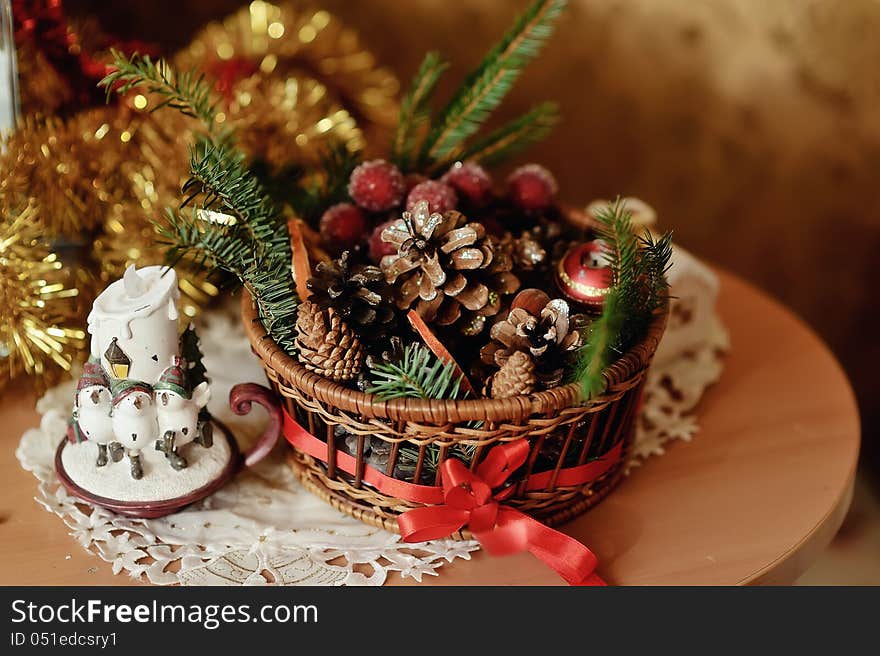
column 563, row 433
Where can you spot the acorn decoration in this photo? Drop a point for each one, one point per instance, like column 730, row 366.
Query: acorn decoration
column 447, row 268
column 583, row 274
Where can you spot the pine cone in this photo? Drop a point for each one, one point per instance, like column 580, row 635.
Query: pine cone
column 358, row 294
column 326, row 344
column 535, row 251
column 516, row 376
column 528, row 253
column 447, row 268
column 540, row 327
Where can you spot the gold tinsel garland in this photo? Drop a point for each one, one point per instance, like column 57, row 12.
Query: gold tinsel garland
column 74, row 179
column 292, row 40
column 290, row 80
column 39, row 333
column 154, row 166
column 284, row 120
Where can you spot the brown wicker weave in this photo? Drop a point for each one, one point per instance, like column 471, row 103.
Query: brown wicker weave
column 553, row 416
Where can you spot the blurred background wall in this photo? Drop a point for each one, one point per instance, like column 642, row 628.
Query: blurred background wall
column 752, row 126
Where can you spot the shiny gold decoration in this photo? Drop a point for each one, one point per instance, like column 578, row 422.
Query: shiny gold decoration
column 284, row 120
column 154, row 166
column 39, row 312
column 73, row 178
column 294, row 79
column 289, row 41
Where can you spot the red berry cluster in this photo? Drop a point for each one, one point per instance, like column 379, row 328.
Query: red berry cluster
column 377, row 187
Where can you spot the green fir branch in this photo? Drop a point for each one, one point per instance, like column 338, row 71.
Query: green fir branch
column 485, row 88
column 597, row 352
column 415, row 109
column 271, row 286
column 419, row 374
column 255, row 247
column 220, row 181
column 638, row 289
column 511, row 138
column 326, row 187
column 422, row 375
column 186, row 91
column 208, row 245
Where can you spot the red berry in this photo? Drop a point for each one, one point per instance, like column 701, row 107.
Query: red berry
column 441, row 197
column 342, row 226
column 532, row 187
column 376, row 185
column 378, row 248
column 470, row 180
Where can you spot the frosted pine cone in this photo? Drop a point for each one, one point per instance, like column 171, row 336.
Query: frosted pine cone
column 540, row 327
column 447, row 268
column 516, row 376
column 326, row 345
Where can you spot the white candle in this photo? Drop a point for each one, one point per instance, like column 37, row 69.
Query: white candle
column 133, row 324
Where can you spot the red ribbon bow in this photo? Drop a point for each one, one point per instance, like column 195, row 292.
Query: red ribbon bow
column 499, row 529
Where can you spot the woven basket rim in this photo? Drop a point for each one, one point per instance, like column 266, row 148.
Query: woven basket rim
column 619, row 376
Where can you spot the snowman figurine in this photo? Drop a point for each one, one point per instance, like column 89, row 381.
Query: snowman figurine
column 134, row 421
column 179, row 412
column 91, row 413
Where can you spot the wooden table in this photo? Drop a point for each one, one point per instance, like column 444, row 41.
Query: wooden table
column 753, row 499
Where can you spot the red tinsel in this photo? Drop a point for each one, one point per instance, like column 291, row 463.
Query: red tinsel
column 44, row 27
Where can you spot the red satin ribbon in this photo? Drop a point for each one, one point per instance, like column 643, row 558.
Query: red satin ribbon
column 500, row 529
column 466, row 499
column 304, row 441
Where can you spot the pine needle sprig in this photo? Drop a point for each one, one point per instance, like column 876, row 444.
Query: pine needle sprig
column 255, row 246
column 415, row 109
column 228, row 248
column 485, row 88
column 599, row 349
column 208, row 245
column 327, row 185
column 419, row 374
column 221, row 182
column 271, row 286
column 511, row 138
column 186, row 91
column 638, row 289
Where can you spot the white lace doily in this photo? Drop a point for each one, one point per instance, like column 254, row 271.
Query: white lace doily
column 264, row 528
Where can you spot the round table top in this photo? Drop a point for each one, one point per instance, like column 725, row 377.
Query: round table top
column 754, row 498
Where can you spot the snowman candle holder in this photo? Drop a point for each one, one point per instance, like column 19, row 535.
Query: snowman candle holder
column 140, row 439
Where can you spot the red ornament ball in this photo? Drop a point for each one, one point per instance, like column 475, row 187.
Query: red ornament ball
column 441, row 197
column 378, row 248
column 376, row 185
column 532, row 187
column 342, row 226
column 471, row 181
column 583, row 274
